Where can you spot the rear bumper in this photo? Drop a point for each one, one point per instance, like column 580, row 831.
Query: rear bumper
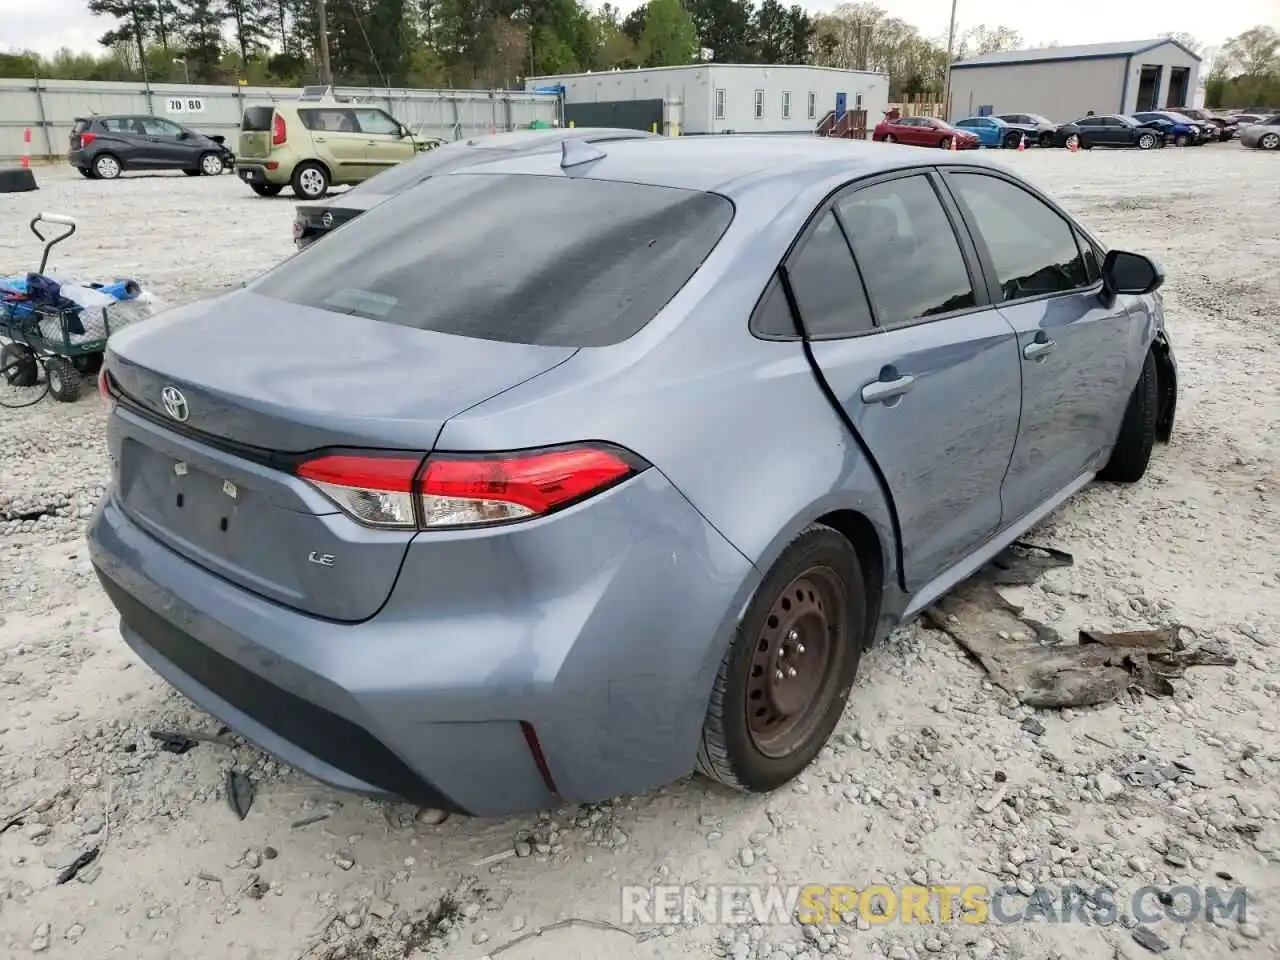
column 78, row 158
column 259, row 173
column 600, row 628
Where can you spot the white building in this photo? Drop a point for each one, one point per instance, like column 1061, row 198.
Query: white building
column 718, row 97
column 1065, row 83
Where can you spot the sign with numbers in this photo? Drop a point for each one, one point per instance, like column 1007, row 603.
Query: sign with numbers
column 186, row 105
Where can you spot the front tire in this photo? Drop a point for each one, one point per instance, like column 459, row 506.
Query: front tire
column 1270, row 141
column 210, row 164
column 64, row 380
column 784, row 681
column 1132, row 452
column 890, row 138
column 944, row 143
column 1146, row 141
column 1011, row 141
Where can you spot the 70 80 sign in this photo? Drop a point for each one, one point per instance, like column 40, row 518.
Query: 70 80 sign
column 186, row 105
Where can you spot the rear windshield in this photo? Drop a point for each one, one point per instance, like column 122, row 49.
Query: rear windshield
column 554, row 261
column 257, row 119
column 80, row 125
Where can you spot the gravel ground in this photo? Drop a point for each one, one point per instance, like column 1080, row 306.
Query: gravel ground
column 934, row 775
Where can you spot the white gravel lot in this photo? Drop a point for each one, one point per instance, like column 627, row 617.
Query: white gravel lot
column 933, row 777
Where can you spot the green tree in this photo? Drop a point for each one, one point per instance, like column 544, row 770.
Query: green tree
column 669, row 37
column 200, row 25
column 726, row 28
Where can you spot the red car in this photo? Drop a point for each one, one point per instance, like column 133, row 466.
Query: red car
column 923, row 132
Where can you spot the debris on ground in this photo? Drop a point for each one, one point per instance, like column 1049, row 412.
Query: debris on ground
column 79, row 863
column 1029, row 660
column 239, row 793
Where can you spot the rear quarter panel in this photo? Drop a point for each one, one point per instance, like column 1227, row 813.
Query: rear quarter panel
column 738, row 424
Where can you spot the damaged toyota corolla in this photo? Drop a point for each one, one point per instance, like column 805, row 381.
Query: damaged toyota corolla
column 618, row 476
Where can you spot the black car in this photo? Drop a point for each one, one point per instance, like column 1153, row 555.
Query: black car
column 314, row 220
column 1038, row 130
column 104, row 147
column 1112, row 130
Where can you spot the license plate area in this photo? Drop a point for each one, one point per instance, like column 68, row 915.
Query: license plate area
column 183, row 498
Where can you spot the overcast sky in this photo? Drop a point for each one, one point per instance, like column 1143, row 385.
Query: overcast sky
column 46, row 25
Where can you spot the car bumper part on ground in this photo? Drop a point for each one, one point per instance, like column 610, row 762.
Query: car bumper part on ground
column 601, row 629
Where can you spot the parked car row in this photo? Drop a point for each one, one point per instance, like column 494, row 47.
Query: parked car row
column 1144, row 130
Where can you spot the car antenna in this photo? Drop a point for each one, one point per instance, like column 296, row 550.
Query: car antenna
column 576, row 152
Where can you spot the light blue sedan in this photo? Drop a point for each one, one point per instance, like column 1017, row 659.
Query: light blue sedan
column 622, row 474
column 992, row 131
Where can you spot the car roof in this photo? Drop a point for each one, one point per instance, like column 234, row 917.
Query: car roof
column 729, row 164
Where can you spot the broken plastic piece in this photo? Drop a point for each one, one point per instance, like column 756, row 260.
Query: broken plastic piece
column 239, row 793
column 79, row 863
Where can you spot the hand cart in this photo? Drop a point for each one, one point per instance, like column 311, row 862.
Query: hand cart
column 44, row 328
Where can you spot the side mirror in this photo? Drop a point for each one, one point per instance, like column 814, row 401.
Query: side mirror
column 1131, row 273
column 184, row 135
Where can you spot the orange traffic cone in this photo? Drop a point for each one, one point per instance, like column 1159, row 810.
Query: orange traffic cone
column 1022, row 144
column 953, row 143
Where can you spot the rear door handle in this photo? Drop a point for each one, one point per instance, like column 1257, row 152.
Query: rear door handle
column 882, row 391
column 1037, row 349
column 319, row 139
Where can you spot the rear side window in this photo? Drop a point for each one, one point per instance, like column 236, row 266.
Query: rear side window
column 825, row 284
column 329, row 121
column 1033, row 249
column 555, row 261
column 256, row 119
column 907, row 250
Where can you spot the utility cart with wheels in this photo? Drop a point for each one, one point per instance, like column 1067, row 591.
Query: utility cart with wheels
column 57, row 328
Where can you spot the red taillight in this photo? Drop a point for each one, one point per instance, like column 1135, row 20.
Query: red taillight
column 376, row 491
column 466, row 490
column 104, row 385
column 86, row 139
column 279, row 132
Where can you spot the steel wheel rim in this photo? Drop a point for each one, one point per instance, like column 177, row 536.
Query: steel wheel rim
column 312, row 182
column 107, row 168
column 795, row 664
column 212, row 165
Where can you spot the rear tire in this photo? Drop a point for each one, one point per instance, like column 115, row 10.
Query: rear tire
column 266, row 189
column 1270, row 141
column 944, row 143
column 18, row 365
column 64, row 380
column 310, row 181
column 106, row 166
column 86, row 173
column 890, row 138
column 1146, row 141
column 1011, row 141
column 1180, row 140
column 784, row 681
column 1132, row 452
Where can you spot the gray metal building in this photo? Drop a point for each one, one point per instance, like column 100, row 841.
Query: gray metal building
column 717, row 97
column 1065, row 83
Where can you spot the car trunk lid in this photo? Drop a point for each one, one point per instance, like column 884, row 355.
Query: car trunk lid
column 221, row 399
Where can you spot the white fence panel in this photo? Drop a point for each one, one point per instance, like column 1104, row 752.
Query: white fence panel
column 48, row 108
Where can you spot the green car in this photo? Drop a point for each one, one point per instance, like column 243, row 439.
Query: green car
column 311, row 145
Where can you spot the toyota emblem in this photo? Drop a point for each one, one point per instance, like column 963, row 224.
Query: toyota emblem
column 175, row 404
column 327, row 219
